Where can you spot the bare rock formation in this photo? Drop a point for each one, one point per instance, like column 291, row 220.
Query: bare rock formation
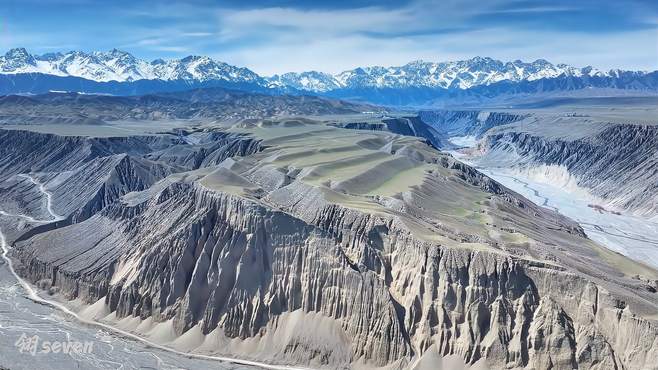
column 343, row 248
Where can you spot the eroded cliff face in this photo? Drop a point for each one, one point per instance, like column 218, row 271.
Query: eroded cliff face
column 467, row 122
column 602, row 151
column 618, row 164
column 75, row 177
column 429, row 256
column 408, row 126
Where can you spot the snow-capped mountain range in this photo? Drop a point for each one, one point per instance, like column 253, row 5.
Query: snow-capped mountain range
column 117, row 65
column 462, row 74
column 120, row 73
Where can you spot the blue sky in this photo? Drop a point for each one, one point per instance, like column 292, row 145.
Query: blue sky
column 271, row 36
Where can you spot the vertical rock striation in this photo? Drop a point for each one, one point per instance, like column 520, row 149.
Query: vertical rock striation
column 451, row 264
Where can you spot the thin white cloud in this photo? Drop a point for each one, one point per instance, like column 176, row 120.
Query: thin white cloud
column 175, row 49
column 196, row 34
column 419, row 16
column 336, row 54
column 536, row 9
column 276, row 40
column 149, row 42
column 281, row 39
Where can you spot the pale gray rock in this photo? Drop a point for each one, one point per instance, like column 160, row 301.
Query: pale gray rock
column 440, row 260
column 618, row 164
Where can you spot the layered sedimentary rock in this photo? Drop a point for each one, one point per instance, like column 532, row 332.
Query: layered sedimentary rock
column 75, row 177
column 609, row 152
column 617, row 164
column 408, row 126
column 391, row 252
column 467, row 122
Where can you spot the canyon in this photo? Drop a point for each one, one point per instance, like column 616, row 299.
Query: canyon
column 341, row 240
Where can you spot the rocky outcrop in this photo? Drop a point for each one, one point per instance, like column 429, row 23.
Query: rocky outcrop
column 408, row 126
column 467, row 123
column 26, row 151
column 626, row 176
column 85, row 174
column 198, row 150
column 453, row 264
column 237, row 266
column 580, row 143
column 89, row 188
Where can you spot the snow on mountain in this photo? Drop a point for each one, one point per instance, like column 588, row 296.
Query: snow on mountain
column 117, row 65
column 459, row 74
column 310, row 81
column 445, row 75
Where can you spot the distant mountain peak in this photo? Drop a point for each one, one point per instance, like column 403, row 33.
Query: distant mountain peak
column 19, row 55
column 417, row 62
column 461, row 74
column 122, row 66
column 116, row 51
